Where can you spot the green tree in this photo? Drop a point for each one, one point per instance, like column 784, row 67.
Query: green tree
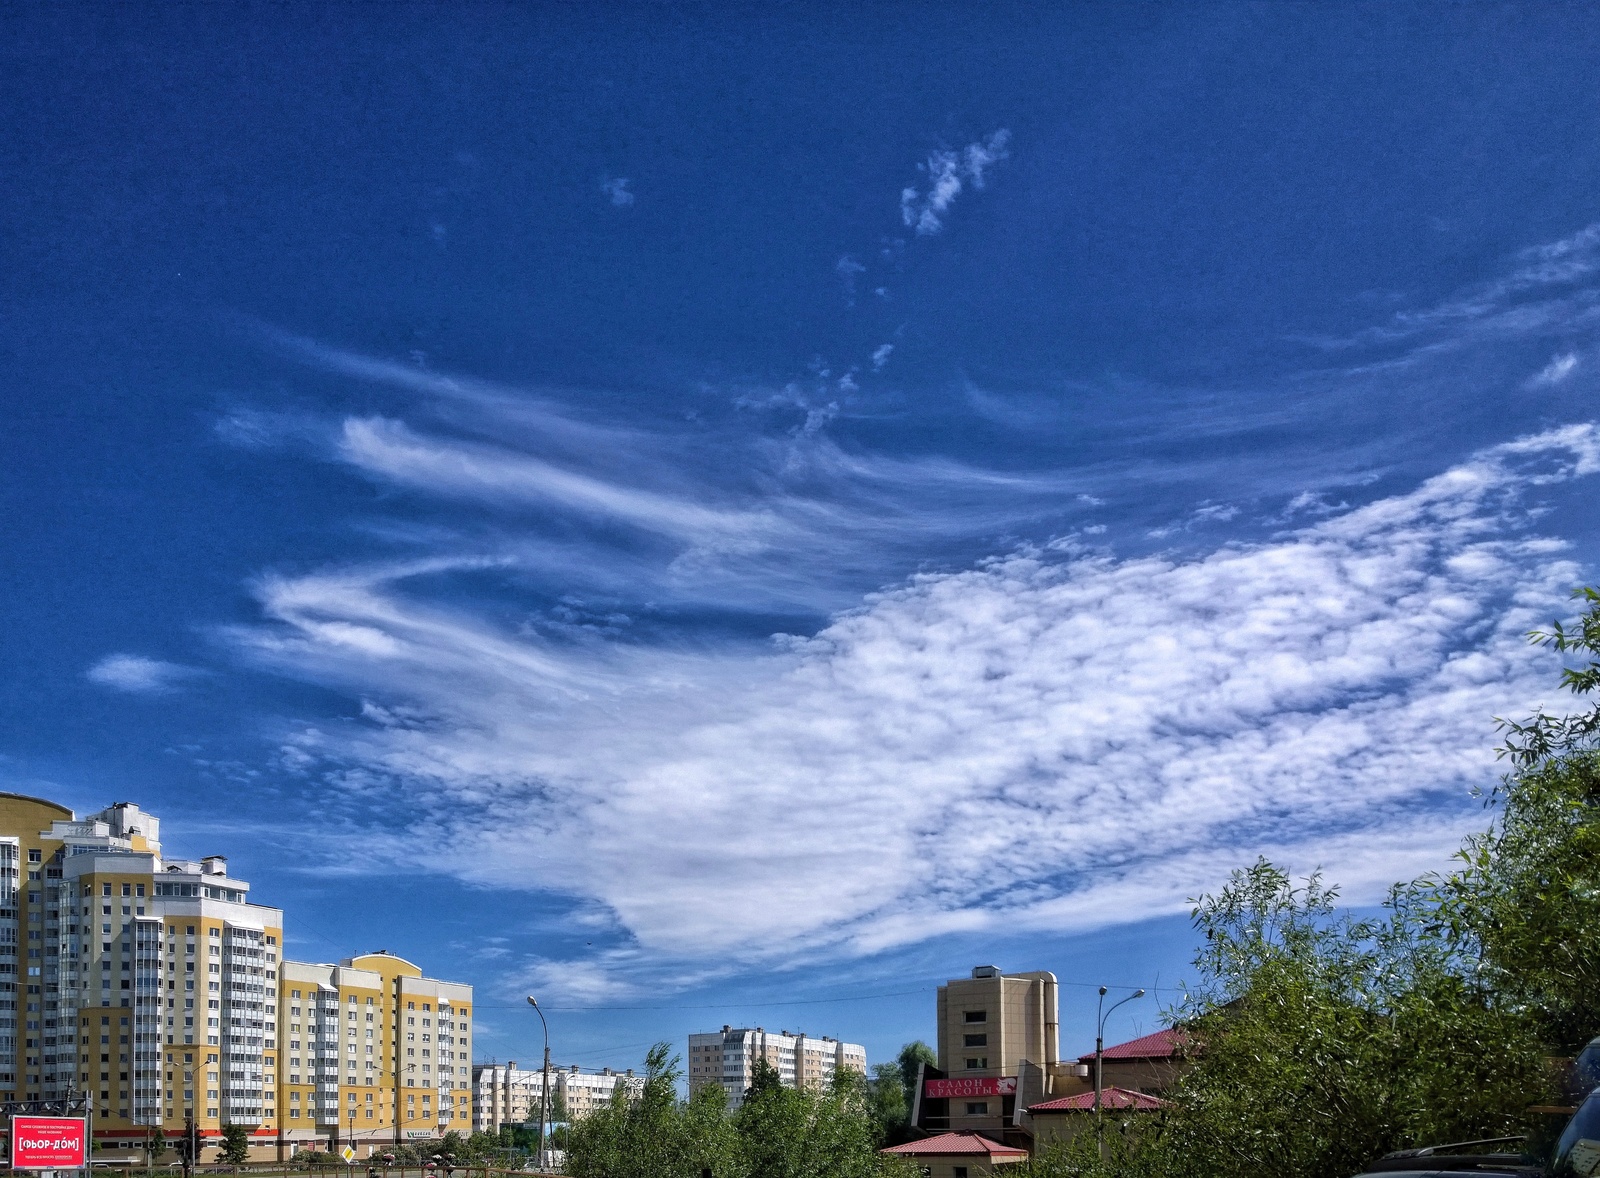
column 652, row 1136
column 887, row 1096
column 235, row 1145
column 452, row 1144
column 156, row 1145
column 910, row 1060
column 810, row 1133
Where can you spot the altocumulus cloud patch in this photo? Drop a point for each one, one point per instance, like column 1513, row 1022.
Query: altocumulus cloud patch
column 1049, row 738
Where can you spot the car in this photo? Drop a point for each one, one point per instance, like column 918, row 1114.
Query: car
column 1476, row 1157
column 1578, row 1149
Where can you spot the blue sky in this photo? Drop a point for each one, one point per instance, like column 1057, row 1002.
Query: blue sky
column 719, row 514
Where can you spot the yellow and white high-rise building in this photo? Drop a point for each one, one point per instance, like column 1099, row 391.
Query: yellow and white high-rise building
column 157, row 987
column 374, row 1053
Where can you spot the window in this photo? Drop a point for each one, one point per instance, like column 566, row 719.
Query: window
column 977, row 1062
column 974, row 1040
column 977, row 1016
column 977, row 1108
column 958, row 1171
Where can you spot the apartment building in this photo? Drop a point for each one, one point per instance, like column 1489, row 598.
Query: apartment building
column 728, row 1057
column 503, row 1094
column 374, row 1053
column 156, row 986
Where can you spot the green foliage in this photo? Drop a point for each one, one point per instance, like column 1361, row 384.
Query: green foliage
column 886, row 1096
column 776, row 1132
column 1544, row 736
column 156, row 1145
column 790, row 1133
column 452, row 1144
column 1524, row 907
column 1321, row 1042
column 1130, row 1147
column 235, row 1145
column 911, row 1056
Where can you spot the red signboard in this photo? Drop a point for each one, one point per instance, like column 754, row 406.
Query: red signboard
column 976, row 1086
column 47, row 1142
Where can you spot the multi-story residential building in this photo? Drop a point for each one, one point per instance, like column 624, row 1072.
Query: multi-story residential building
column 728, row 1057
column 156, row 987
column 374, row 1052
column 580, row 1092
column 503, row 1094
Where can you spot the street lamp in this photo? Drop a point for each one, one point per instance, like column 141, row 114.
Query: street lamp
column 1100, row 1044
column 189, row 1115
column 544, row 1084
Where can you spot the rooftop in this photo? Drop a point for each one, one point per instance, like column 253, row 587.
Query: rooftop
column 1118, row 1098
column 1163, row 1044
column 964, row 1144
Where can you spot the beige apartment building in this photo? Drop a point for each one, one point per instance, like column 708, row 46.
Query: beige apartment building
column 728, row 1058
column 156, row 988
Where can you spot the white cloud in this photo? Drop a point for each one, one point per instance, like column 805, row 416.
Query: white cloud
column 947, row 173
column 139, row 675
column 880, row 356
column 1045, row 739
column 1559, row 368
column 1545, row 292
column 847, row 268
column 616, row 188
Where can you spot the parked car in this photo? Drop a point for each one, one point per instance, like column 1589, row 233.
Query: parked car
column 1578, row 1150
column 1576, row 1154
column 1477, row 1157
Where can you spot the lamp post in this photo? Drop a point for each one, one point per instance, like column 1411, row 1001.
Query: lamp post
column 190, row 1160
column 1101, row 1015
column 544, row 1084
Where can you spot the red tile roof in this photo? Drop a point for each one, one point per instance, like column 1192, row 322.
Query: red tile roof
column 1120, row 1098
column 968, row 1144
column 1163, row 1044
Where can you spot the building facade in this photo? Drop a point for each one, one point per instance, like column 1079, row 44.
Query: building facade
column 374, row 1053
column 504, row 1094
column 728, row 1058
column 999, row 1035
column 156, row 987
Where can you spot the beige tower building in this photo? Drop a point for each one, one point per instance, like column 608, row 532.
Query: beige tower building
column 997, row 1031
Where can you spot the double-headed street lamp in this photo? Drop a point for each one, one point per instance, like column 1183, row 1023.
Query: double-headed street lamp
column 544, row 1084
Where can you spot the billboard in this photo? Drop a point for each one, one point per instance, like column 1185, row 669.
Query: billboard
column 973, row 1086
column 47, row 1142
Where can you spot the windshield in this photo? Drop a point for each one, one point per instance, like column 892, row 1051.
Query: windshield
column 1578, row 1151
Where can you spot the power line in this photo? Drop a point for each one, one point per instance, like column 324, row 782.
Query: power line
column 737, row 1003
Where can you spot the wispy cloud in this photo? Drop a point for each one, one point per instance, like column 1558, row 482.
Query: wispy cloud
column 1558, row 370
column 1045, row 737
column 616, row 188
column 139, row 675
column 1549, row 289
column 946, row 173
